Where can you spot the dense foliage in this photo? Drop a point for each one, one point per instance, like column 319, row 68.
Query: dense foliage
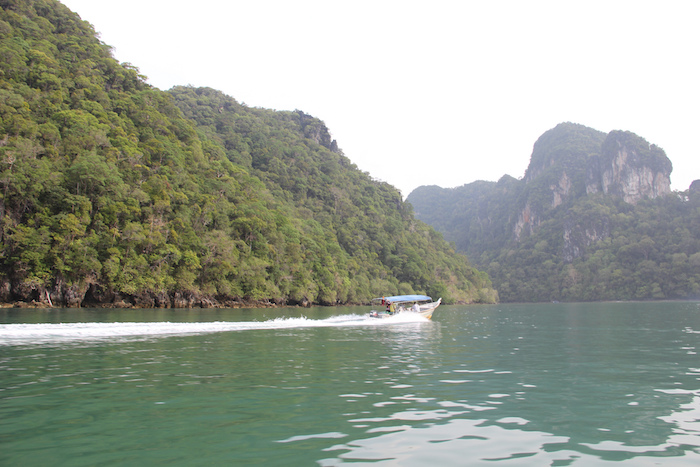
column 366, row 240
column 116, row 192
column 582, row 245
column 651, row 251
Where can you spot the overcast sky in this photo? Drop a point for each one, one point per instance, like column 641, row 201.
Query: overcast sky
column 432, row 92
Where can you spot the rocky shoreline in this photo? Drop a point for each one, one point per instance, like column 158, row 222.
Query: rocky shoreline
column 94, row 296
column 128, row 304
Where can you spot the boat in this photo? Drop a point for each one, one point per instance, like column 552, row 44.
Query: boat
column 385, row 307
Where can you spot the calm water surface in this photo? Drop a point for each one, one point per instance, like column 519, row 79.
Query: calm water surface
column 554, row 384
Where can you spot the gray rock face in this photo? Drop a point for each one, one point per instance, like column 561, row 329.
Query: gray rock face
column 619, row 164
column 631, row 168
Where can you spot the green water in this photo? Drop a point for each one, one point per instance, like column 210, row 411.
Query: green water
column 554, row 384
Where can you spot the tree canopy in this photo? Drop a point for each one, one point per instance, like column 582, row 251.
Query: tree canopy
column 112, row 191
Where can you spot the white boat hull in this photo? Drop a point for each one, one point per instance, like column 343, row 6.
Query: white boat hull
column 426, row 311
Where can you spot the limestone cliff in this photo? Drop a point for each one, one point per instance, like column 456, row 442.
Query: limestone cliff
column 630, row 168
column 557, row 172
column 571, row 161
column 317, row 131
column 694, row 189
column 593, row 218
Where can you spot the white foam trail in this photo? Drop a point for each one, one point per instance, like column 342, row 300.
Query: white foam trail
column 46, row 333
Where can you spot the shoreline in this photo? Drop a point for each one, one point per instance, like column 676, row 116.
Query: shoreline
column 202, row 303
column 128, row 305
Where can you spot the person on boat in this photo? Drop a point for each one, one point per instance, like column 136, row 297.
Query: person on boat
column 415, row 308
column 390, row 308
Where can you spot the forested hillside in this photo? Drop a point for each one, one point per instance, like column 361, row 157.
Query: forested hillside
column 116, row 193
column 592, row 219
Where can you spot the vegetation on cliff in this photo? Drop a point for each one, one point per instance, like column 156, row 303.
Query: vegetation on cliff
column 566, row 232
column 112, row 191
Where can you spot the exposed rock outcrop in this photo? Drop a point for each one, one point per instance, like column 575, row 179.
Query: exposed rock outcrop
column 581, row 233
column 94, row 295
column 526, row 223
column 571, row 161
column 556, row 173
column 560, row 190
column 694, row 189
column 630, row 168
column 316, row 130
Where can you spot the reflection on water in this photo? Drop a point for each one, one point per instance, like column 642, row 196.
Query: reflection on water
column 458, row 442
column 462, row 437
column 518, row 385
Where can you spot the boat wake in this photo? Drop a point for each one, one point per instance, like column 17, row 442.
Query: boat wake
column 48, row 333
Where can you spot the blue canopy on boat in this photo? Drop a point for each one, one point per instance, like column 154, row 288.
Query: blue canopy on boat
column 405, row 298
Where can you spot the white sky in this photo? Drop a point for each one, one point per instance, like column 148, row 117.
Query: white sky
column 434, row 92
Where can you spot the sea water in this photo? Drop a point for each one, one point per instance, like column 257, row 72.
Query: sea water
column 548, row 384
